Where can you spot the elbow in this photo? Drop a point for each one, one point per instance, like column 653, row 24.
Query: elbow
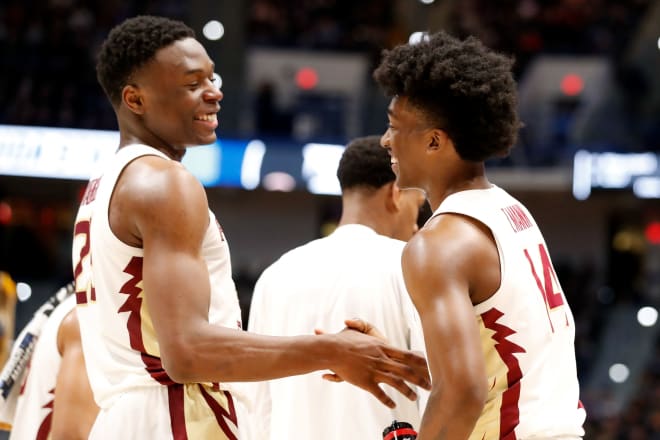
column 477, row 397
column 474, row 399
column 178, row 362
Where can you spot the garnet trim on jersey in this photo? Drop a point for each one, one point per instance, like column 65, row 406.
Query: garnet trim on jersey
column 509, row 412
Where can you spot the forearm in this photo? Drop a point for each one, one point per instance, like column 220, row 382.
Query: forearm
column 450, row 414
column 219, row 354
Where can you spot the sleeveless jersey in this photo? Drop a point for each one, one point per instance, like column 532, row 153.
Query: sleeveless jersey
column 34, row 407
column 119, row 342
column 526, row 327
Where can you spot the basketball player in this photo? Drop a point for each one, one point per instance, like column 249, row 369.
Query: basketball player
column 499, row 333
column 55, row 398
column 158, row 310
column 355, row 271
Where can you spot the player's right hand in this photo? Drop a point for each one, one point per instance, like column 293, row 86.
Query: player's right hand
column 367, row 361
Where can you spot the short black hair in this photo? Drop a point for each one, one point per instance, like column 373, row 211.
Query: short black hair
column 461, row 87
column 365, row 163
column 130, row 45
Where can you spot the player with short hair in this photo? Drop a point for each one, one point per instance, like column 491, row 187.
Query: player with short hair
column 355, row 271
column 158, row 310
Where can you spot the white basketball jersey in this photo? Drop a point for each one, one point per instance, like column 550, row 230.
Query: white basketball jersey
column 352, row 272
column 527, row 329
column 34, row 408
column 121, row 349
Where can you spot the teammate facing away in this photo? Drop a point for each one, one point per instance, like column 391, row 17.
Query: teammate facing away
column 55, row 401
column 158, row 310
column 499, row 333
column 355, row 271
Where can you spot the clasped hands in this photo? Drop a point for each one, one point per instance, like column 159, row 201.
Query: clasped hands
column 367, row 360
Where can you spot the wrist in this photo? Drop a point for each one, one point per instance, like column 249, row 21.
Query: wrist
column 329, row 349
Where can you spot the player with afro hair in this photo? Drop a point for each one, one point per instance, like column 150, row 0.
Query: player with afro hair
column 499, row 333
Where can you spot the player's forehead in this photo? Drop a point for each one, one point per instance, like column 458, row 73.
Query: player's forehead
column 183, row 56
column 399, row 106
column 401, row 109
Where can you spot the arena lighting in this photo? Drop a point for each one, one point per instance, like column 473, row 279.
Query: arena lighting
column 57, row 153
column 213, row 30
column 582, row 175
column 418, row 37
column 75, row 154
column 658, row 43
column 307, row 78
column 252, row 161
column 637, row 171
column 647, row 187
column 319, row 168
column 23, row 291
column 279, row 181
column 652, row 232
column 217, row 80
column 647, row 316
column 572, row 84
column 619, row 373
column 5, row 213
column 427, row 2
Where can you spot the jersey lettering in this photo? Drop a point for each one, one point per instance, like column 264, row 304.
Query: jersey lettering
column 518, row 220
column 90, row 192
column 553, row 299
column 85, row 291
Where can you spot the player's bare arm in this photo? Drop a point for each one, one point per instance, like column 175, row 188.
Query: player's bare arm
column 169, row 220
column 74, row 409
column 443, row 299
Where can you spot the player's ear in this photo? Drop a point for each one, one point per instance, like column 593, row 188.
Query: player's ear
column 437, row 139
column 132, row 98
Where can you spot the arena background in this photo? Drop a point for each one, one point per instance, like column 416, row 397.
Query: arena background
column 297, row 86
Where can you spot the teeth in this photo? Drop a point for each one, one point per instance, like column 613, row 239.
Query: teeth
column 209, row 117
column 394, row 161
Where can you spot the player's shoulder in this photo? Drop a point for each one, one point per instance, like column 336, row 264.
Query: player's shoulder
column 154, row 181
column 444, row 239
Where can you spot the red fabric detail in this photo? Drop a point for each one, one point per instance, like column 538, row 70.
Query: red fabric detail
column 132, row 305
column 177, row 413
column 220, row 413
column 400, row 432
column 509, row 412
column 44, row 429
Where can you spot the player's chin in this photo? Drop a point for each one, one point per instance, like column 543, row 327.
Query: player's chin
column 206, row 138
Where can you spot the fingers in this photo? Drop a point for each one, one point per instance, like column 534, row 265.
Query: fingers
column 399, row 385
column 332, row 377
column 410, row 366
column 380, row 395
column 358, row 324
column 364, row 327
column 318, row 331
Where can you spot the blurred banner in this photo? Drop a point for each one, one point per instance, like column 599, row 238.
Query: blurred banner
column 63, row 153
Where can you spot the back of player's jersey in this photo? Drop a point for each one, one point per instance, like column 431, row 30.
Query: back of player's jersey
column 34, row 408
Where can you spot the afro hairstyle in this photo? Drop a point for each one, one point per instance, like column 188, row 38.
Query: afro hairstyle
column 458, row 86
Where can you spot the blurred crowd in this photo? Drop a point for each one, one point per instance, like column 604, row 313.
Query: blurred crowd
column 640, row 418
column 48, row 50
column 367, row 25
column 592, row 303
column 48, row 46
column 526, row 28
